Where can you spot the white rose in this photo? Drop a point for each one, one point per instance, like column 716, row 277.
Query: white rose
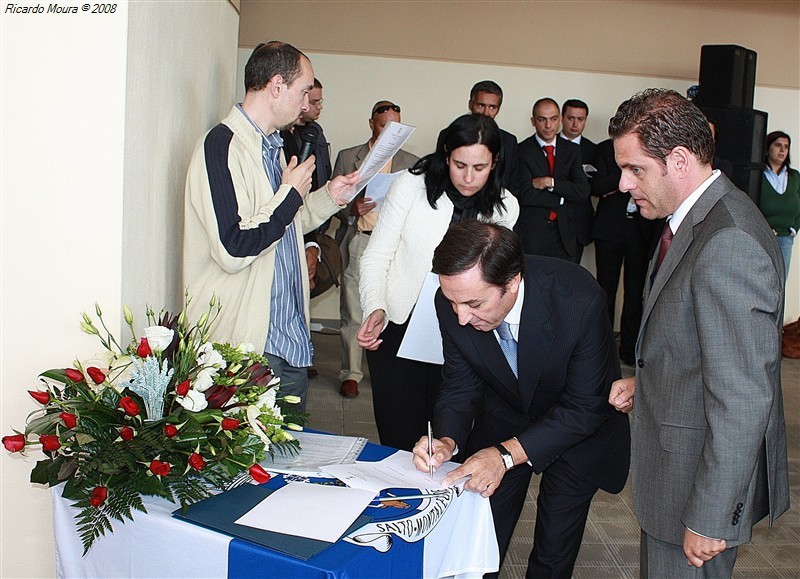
column 194, row 401
column 267, row 398
column 158, row 337
column 246, row 348
column 210, row 357
column 204, row 379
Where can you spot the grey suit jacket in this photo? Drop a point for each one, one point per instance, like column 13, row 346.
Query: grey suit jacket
column 709, row 439
column 348, row 160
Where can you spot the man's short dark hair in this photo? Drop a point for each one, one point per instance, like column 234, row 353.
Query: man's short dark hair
column 663, row 119
column 496, row 249
column 575, row 104
column 486, row 86
column 317, row 83
column 541, row 102
column 269, row 59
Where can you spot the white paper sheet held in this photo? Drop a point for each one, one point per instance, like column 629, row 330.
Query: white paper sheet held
column 395, row 471
column 307, row 510
column 423, row 339
column 391, row 139
column 379, row 186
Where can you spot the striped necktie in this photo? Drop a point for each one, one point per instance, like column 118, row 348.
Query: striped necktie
column 508, row 345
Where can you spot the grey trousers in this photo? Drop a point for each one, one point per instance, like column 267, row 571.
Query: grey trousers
column 661, row 560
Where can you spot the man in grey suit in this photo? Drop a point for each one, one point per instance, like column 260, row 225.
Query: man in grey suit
column 358, row 220
column 709, row 441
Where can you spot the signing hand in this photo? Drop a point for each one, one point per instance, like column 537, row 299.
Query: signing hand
column 487, row 470
column 699, row 549
column 362, row 206
column 342, row 188
column 621, row 395
column 299, row 175
column 442, row 452
column 370, row 330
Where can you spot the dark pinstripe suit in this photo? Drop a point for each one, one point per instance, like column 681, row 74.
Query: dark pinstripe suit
column 558, row 408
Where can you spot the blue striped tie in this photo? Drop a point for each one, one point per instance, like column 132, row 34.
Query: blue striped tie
column 509, row 345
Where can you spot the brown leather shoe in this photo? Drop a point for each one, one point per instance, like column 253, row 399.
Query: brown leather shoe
column 312, row 372
column 349, row 389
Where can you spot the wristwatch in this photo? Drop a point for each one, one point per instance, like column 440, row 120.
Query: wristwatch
column 508, row 460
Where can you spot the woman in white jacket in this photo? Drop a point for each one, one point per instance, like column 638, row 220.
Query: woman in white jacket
column 459, row 181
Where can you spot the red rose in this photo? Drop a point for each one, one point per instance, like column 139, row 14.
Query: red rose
column 218, row 396
column 39, row 396
column 98, row 497
column 70, row 420
column 96, row 374
column 196, row 461
column 74, row 375
column 143, row 351
column 182, row 389
column 50, row 442
column 126, row 433
column 129, row 405
column 259, row 474
column 170, row 430
column 230, row 424
column 159, row 468
column 14, row 443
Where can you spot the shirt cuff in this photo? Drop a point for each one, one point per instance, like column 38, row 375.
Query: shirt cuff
column 315, row 244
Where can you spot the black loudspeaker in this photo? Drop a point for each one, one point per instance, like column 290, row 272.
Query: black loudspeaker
column 748, row 179
column 727, row 76
column 740, row 134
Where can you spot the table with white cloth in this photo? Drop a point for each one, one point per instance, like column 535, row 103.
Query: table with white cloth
column 421, row 540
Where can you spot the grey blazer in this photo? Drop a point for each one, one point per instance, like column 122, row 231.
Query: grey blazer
column 709, row 439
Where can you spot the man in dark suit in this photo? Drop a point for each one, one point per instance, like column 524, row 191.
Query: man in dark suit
column 551, row 187
column 709, row 440
column 540, row 411
column 486, row 98
column 621, row 236
column 574, row 113
column 358, row 220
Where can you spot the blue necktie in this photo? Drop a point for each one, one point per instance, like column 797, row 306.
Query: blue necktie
column 508, row 345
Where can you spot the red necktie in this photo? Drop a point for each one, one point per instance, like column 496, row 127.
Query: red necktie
column 666, row 240
column 550, row 151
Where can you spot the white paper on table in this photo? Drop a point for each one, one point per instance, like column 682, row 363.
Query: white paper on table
column 395, row 471
column 379, row 186
column 307, row 510
column 423, row 339
column 391, row 139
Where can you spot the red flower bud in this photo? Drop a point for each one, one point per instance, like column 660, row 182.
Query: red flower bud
column 218, row 396
column 96, row 374
column 129, row 405
column 230, row 423
column 126, row 433
column 50, row 442
column 170, row 430
column 182, row 389
column 196, row 461
column 70, row 420
column 159, row 468
column 14, row 443
column 259, row 474
column 74, row 375
column 39, row 396
column 143, row 351
column 98, row 496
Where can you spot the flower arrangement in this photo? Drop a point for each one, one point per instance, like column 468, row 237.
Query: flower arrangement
column 172, row 414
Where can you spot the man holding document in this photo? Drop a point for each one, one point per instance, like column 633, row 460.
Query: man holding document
column 358, row 221
column 542, row 410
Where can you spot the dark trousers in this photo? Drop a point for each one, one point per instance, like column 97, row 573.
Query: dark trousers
column 403, row 391
column 631, row 248
column 561, row 511
column 547, row 242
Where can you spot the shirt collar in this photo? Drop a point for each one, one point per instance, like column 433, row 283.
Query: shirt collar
column 683, row 209
column 514, row 316
column 272, row 140
column 576, row 140
column 542, row 143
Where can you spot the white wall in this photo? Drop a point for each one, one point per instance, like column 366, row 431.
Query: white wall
column 433, row 93
column 99, row 115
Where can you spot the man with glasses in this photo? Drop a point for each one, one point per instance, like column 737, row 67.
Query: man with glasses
column 358, row 220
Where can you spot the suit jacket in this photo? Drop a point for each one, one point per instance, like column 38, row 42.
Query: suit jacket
column 571, row 185
column 709, row 441
column 566, row 358
column 584, row 213
column 348, row 160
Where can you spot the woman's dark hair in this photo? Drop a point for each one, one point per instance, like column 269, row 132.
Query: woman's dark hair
column 771, row 138
column 466, row 130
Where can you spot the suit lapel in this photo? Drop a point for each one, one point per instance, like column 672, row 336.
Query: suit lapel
column 680, row 243
column 536, row 336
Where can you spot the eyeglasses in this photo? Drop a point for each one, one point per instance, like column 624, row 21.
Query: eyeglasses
column 383, row 108
column 316, row 102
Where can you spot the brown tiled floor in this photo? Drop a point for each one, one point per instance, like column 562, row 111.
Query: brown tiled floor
column 611, row 542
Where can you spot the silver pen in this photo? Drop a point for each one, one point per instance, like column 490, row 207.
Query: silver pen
column 430, row 450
